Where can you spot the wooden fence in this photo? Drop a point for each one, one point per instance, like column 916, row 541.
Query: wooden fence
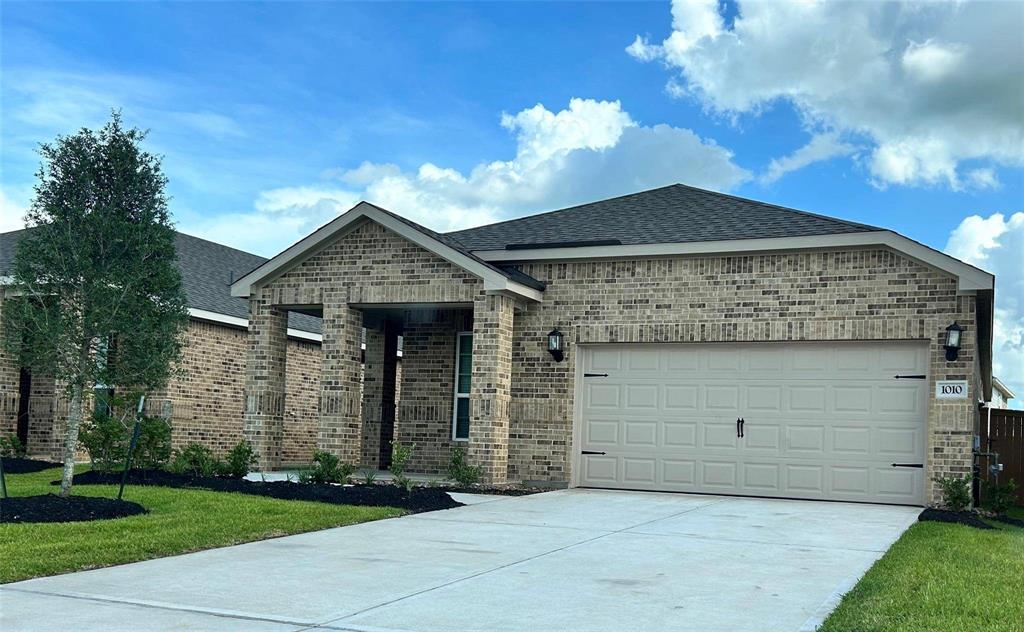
column 1004, row 433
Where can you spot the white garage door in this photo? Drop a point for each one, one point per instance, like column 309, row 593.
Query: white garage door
column 824, row 421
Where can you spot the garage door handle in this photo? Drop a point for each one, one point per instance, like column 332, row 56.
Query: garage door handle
column 918, row 465
column 595, row 375
column 591, row 452
column 739, row 427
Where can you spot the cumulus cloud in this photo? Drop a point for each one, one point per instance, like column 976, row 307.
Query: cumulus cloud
column 930, row 85
column 587, row 151
column 996, row 244
column 12, row 209
column 821, row 147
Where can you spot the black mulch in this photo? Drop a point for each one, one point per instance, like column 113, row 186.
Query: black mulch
column 53, row 508
column 419, row 500
column 494, row 491
column 954, row 517
column 26, row 466
column 1017, row 522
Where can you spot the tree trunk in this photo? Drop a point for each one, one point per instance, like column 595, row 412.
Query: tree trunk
column 71, row 439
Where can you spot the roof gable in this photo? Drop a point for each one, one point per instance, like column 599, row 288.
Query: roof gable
column 496, row 279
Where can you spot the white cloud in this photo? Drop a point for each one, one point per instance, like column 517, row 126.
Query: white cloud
column 996, row 244
column 13, row 205
column 821, row 147
column 588, row 151
column 930, row 84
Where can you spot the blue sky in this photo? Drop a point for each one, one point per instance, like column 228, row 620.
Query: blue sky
column 459, row 114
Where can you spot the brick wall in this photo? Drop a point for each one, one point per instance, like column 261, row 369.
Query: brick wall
column 9, row 380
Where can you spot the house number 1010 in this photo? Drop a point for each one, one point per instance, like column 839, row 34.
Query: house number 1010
column 951, row 389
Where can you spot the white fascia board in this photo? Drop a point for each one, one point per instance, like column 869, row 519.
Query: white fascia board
column 494, row 281
column 1002, row 388
column 970, row 278
column 243, row 323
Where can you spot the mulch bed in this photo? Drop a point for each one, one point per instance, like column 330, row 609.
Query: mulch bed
column 419, row 500
column 53, row 508
column 494, row 491
column 953, row 517
column 1017, row 522
column 27, row 466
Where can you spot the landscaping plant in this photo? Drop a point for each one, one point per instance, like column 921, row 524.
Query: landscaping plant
column 239, row 460
column 369, row 475
column 94, row 294
column 956, row 492
column 459, row 469
column 11, row 446
column 107, row 437
column 327, row 468
column 999, row 498
column 400, row 456
column 197, row 460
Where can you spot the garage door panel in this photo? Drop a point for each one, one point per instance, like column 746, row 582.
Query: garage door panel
column 640, row 433
column 679, row 472
column 823, row 421
column 762, row 477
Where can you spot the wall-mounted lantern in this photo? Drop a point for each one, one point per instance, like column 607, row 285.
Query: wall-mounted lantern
column 556, row 345
column 953, row 335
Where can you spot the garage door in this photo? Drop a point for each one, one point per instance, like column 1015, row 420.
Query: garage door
column 822, row 421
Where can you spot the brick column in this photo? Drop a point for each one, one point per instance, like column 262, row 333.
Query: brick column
column 490, row 392
column 9, row 383
column 341, row 418
column 373, row 397
column 265, row 381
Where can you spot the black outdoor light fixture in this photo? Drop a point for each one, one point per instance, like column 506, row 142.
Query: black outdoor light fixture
column 953, row 335
column 556, row 345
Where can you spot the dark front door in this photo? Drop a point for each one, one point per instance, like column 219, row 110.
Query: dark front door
column 388, row 386
column 24, row 392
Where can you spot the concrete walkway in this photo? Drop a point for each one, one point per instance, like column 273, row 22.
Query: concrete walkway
column 566, row 560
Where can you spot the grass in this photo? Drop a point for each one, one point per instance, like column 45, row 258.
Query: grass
column 941, row 577
column 180, row 521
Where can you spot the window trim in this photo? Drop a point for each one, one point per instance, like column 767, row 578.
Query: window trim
column 455, row 386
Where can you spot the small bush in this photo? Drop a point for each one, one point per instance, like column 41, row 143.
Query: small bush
column 327, row 468
column 999, row 498
column 197, row 460
column 400, row 456
column 107, row 438
column 369, row 476
column 956, row 492
column 239, row 460
column 459, row 469
column 11, row 446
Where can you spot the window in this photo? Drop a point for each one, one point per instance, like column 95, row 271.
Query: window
column 463, row 377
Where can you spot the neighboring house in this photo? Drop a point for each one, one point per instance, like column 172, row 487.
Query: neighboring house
column 204, row 401
column 1001, row 394
column 702, row 343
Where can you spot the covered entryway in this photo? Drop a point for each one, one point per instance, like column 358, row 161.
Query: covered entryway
column 827, row 421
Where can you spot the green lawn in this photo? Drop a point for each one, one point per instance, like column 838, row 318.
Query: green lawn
column 179, row 521
column 941, row 577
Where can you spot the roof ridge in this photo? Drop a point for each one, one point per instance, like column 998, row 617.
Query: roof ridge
column 567, row 208
column 217, row 243
column 780, row 207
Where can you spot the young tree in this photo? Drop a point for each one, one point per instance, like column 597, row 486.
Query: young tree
column 96, row 297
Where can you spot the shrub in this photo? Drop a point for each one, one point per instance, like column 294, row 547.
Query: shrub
column 369, row 476
column 460, row 471
column 11, row 446
column 107, row 438
column 239, row 460
column 327, row 468
column 999, row 498
column 197, row 460
column 956, row 492
column 400, row 456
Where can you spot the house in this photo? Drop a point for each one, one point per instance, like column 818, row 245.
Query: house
column 674, row 339
column 1001, row 394
column 204, row 400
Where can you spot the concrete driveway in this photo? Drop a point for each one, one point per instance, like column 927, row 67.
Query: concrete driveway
column 565, row 560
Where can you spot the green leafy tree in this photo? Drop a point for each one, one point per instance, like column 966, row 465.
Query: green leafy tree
column 95, row 295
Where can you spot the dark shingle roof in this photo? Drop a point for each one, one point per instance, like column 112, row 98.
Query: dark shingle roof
column 672, row 214
column 207, row 270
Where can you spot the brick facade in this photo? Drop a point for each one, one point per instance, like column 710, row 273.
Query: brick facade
column 870, row 294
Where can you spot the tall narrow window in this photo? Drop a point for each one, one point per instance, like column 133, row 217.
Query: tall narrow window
column 463, row 377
